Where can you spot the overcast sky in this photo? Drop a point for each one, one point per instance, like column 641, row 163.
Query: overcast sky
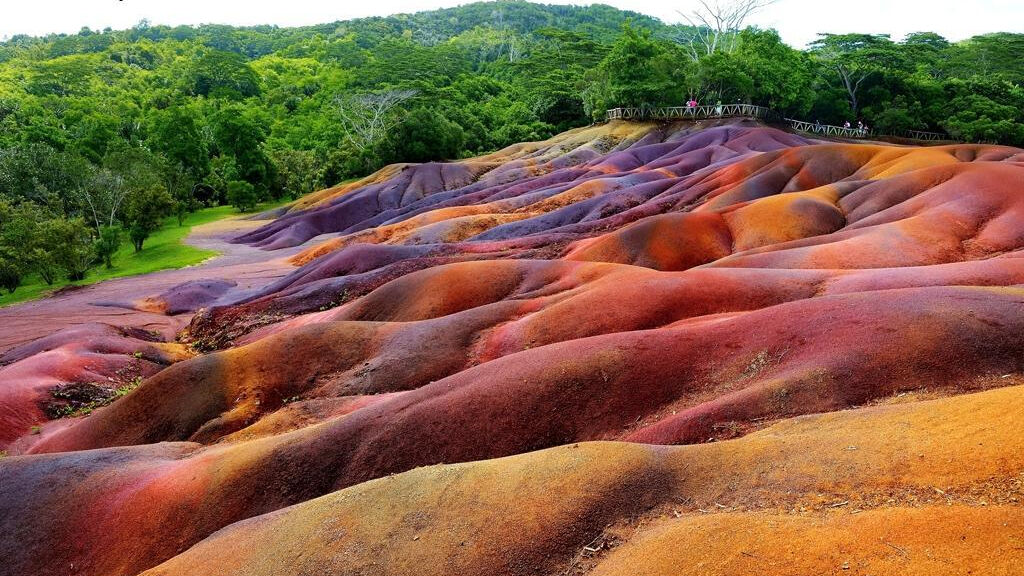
column 797, row 20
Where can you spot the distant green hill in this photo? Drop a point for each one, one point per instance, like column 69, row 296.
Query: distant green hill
column 173, row 118
column 482, row 65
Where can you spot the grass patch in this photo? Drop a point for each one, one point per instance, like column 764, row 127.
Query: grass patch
column 74, row 408
column 163, row 250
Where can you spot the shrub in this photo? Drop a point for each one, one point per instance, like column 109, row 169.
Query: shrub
column 144, row 212
column 242, row 195
column 107, row 244
column 70, row 244
column 10, row 274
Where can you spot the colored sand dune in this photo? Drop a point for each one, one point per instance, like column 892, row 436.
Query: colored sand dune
column 632, row 349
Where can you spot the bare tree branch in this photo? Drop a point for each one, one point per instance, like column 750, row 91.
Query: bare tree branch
column 508, row 42
column 716, row 23
column 103, row 195
column 368, row 117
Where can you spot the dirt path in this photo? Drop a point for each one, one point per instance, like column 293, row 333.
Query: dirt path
column 249, row 267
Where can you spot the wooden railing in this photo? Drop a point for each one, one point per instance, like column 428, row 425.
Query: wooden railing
column 762, row 113
column 691, row 112
column 827, row 129
column 921, row 135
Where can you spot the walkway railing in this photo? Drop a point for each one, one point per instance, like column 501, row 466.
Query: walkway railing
column 691, row 112
column 762, row 113
column 827, row 129
column 921, row 135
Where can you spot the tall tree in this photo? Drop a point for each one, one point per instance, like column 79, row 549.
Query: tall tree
column 242, row 195
column 297, row 171
column 426, row 135
column 19, row 237
column 638, row 71
column 715, row 24
column 11, row 271
column 240, row 134
column 782, row 77
column 852, row 59
column 70, row 241
column 178, row 133
column 223, row 74
column 101, row 197
column 369, row 118
column 144, row 211
column 38, row 172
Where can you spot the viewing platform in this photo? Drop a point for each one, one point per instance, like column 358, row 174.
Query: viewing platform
column 767, row 115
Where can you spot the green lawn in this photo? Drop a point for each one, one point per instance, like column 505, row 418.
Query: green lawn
column 163, row 250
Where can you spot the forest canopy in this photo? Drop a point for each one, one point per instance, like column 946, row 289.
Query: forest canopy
column 107, row 131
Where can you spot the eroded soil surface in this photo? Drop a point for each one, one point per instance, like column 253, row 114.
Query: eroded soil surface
column 632, row 349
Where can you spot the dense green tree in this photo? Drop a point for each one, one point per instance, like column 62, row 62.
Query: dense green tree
column 223, row 74
column 782, row 78
column 929, row 41
column 297, row 171
column 851, row 59
column 25, row 241
column 426, row 136
column 144, row 212
column 242, row 195
column 178, row 133
column 62, row 76
column 70, row 245
column 992, row 56
column 927, row 52
column 223, row 169
column 638, row 71
column 44, row 261
column 126, row 170
column 92, row 134
column 17, row 234
column 136, row 165
column 183, row 187
column 900, row 114
column 239, row 133
column 107, row 243
column 19, row 223
column 552, row 75
column 11, row 270
column 720, row 76
column 976, row 112
column 36, row 171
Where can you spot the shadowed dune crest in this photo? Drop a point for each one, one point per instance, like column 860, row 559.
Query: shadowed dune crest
column 702, row 328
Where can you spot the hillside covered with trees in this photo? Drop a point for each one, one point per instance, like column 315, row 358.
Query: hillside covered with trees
column 103, row 134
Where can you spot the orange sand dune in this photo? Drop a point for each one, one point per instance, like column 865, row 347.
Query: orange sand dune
column 910, row 487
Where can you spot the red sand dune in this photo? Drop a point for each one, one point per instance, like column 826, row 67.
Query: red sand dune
column 659, row 310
